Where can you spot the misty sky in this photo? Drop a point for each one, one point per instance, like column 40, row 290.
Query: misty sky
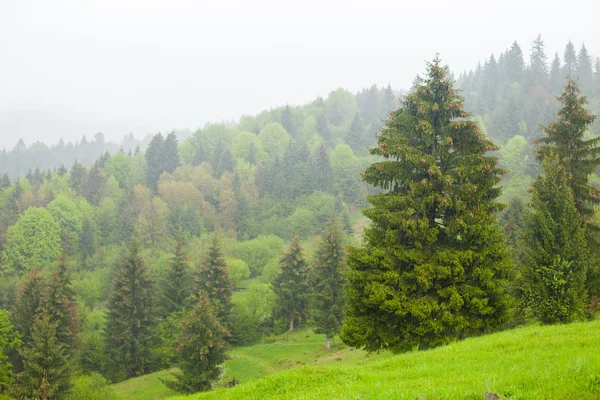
column 74, row 67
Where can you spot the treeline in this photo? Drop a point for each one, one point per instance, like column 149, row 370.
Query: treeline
column 126, row 222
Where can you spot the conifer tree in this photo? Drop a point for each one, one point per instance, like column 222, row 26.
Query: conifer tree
column 287, row 121
column 46, row 373
column 570, row 60
column 434, row 266
column 30, row 302
column 565, row 136
column 87, row 241
column 515, row 64
column 212, row 280
column 555, row 261
column 77, row 178
column 95, row 184
column 4, row 181
column 202, row 349
column 170, row 157
column 327, row 282
column 224, row 163
column 556, row 78
column 291, row 285
column 130, row 318
column 355, row 137
column 323, row 128
column 584, row 73
column 321, row 175
column 61, row 306
column 176, row 284
column 155, row 160
column 10, row 341
column 538, row 67
column 242, row 211
column 596, row 89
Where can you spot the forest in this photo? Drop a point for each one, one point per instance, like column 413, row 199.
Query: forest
column 391, row 220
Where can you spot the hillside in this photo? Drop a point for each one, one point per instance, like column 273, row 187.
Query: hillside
column 556, row 362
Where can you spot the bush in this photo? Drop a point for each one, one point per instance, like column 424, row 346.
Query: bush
column 91, row 387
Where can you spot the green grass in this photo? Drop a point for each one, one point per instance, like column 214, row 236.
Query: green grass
column 557, row 362
column 147, row 387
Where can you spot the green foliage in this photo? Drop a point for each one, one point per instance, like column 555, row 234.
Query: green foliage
column 212, row 280
column 434, row 265
column 34, row 240
column 345, row 165
column 176, row 284
column 340, row 107
column 565, row 136
column 130, row 318
column 237, row 269
column 10, row 341
column 61, row 307
column 30, row 301
column 202, row 349
column 458, row 371
column 327, row 282
column 252, row 308
column 258, row 252
column 119, row 166
column 274, row 138
column 64, row 211
column 91, row 387
column 556, row 258
column 291, row 286
column 46, row 373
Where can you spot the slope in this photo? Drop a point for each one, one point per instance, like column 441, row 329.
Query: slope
column 556, row 362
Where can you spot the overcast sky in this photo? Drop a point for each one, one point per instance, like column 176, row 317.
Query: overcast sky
column 74, row 67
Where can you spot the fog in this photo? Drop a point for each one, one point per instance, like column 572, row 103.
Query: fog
column 74, row 67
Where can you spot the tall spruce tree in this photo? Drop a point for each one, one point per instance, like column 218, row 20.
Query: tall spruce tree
column 570, row 60
column 46, row 373
column 202, row 349
column 291, row 285
column 31, row 299
column 434, row 266
column 176, row 284
column 355, row 137
column 555, row 262
column 130, row 318
column 556, row 78
column 565, row 137
column 327, row 282
column 584, row 73
column 170, row 153
column 155, row 160
column 538, row 67
column 212, row 280
column 61, row 306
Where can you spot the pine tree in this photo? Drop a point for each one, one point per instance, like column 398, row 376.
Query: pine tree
column 242, row 211
column 155, row 160
column 130, row 318
column 4, row 181
column 584, row 72
column 321, row 175
column 291, row 285
column 202, row 349
column 286, row 120
column 570, row 60
column 566, row 136
column 170, row 158
column 212, row 280
column 61, row 306
column 556, row 78
column 555, row 265
column 176, row 284
column 30, row 301
column 355, row 137
column 434, row 266
column 515, row 64
column 87, row 241
column 225, row 163
column 327, row 282
column 323, row 128
column 95, row 184
column 596, row 89
column 77, row 178
column 46, row 373
column 538, row 67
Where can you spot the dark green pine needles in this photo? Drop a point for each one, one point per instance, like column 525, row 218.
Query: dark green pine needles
column 327, row 282
column 130, row 319
column 291, row 285
column 434, row 266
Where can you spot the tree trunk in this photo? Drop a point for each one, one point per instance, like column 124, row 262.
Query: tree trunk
column 327, row 342
column 291, row 324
